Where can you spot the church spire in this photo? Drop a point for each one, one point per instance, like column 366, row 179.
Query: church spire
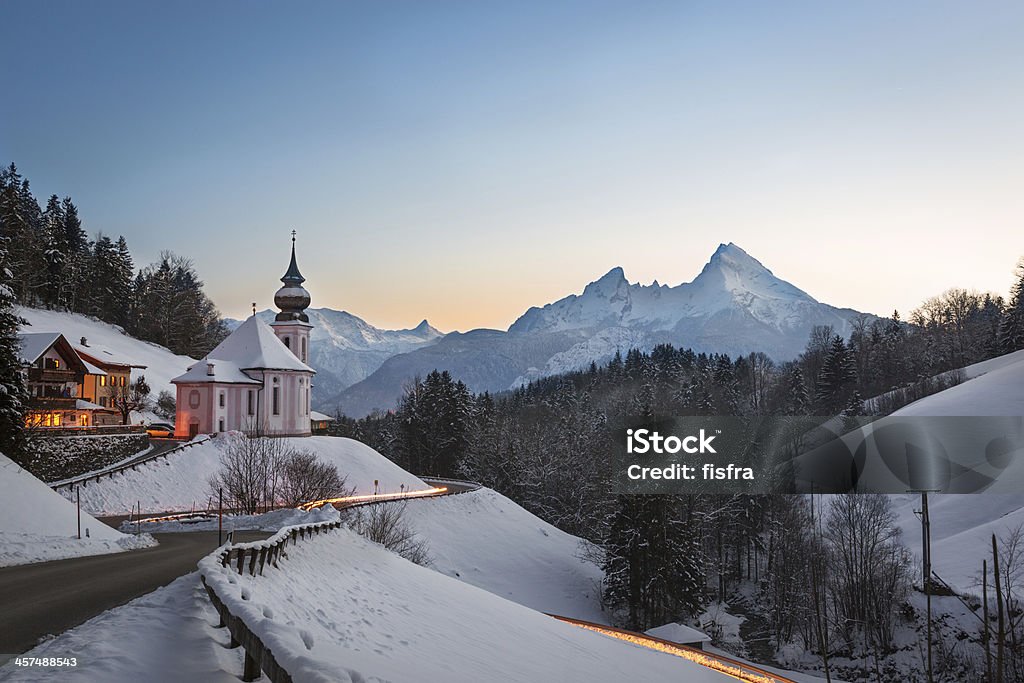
column 293, row 276
column 292, row 299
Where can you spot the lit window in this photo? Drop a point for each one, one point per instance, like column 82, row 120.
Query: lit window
column 103, row 380
column 56, row 363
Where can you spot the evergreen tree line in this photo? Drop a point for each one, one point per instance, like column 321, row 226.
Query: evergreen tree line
column 53, row 264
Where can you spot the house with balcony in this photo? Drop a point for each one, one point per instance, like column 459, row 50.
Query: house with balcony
column 115, row 373
column 55, row 375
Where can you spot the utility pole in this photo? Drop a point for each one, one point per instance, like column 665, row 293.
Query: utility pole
column 1001, row 633
column 926, row 566
column 78, row 504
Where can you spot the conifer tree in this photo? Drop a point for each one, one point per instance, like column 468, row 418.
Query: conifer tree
column 1011, row 329
column 13, row 396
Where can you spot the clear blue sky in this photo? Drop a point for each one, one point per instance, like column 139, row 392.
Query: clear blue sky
column 461, row 161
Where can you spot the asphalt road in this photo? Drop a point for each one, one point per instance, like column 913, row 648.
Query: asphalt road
column 51, row 597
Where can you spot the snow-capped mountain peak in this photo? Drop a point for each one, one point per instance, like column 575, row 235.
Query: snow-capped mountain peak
column 733, row 270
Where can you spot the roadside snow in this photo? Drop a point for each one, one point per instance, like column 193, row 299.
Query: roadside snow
column 181, row 481
column 36, row 524
column 167, row 636
column 486, row 540
column 342, row 609
column 268, row 521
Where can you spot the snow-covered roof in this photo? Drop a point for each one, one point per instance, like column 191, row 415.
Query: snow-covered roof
column 35, row 344
column 224, row 372
column 320, row 417
column 93, row 369
column 678, row 633
column 254, row 346
column 82, row 404
column 103, row 356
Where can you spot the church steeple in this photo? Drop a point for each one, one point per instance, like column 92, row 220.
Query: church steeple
column 292, row 299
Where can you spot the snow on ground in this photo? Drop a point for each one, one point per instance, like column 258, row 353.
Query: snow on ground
column 962, row 525
column 181, row 481
column 36, row 524
column 161, row 364
column 484, row 539
column 167, row 636
column 342, row 609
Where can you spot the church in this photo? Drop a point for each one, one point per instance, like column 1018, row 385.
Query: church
column 257, row 379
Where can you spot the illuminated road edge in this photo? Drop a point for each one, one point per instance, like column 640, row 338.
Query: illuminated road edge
column 738, row 670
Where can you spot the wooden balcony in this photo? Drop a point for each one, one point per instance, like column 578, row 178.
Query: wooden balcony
column 51, row 403
column 53, row 375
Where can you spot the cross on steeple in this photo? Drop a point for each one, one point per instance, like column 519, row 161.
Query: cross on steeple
column 293, row 237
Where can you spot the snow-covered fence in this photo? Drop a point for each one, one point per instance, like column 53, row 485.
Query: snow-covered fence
column 252, row 558
column 130, row 464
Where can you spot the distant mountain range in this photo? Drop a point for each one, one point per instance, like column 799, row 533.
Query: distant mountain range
column 345, row 349
column 734, row 306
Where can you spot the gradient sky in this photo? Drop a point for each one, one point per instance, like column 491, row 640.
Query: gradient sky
column 462, row 161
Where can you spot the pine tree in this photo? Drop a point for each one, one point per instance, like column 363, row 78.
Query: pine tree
column 13, row 396
column 1011, row 329
column 837, row 378
column 797, row 401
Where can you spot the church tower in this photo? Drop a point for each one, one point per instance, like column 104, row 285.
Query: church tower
column 291, row 325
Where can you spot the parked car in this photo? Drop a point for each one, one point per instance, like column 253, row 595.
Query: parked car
column 160, row 430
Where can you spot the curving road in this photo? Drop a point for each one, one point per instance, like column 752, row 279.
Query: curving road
column 51, row 597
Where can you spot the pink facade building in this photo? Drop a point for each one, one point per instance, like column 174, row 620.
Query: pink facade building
column 257, row 379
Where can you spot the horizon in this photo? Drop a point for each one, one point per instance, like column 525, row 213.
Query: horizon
column 462, row 163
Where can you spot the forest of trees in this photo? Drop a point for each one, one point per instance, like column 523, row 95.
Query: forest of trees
column 51, row 262
column 836, row 583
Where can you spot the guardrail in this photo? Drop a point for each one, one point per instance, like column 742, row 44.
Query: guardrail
column 252, row 558
column 129, row 464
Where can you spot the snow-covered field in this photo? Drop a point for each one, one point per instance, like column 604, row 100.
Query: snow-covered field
column 36, row 524
column 161, row 365
column 167, row 636
column 342, row 609
column 484, row 539
column 181, row 481
column 962, row 525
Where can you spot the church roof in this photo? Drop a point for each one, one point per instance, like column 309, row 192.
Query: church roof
column 254, row 346
column 224, row 372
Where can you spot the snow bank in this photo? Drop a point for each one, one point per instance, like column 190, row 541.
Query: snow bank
column 342, row 609
column 181, row 481
column 484, row 539
column 167, row 636
column 36, row 524
column 161, row 364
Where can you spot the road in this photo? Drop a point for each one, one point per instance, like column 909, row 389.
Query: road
column 51, row 597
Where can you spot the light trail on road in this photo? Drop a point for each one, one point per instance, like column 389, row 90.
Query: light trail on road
column 724, row 665
column 373, row 497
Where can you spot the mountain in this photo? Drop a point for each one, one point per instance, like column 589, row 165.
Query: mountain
column 734, row 306
column 345, row 349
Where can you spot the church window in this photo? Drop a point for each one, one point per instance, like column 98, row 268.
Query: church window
column 193, row 398
column 303, row 349
column 221, row 398
column 220, row 425
column 249, row 407
column 277, row 400
column 288, row 342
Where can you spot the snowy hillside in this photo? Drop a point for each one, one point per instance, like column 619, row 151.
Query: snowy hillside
column 734, row 306
column 380, row 617
column 345, row 349
column 486, row 540
column 161, row 365
column 962, row 525
column 993, row 387
column 36, row 524
column 181, row 481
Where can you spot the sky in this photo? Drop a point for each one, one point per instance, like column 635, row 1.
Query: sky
column 463, row 161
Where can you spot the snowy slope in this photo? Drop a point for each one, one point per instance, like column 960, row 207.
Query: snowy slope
column 994, row 387
column 36, row 524
column 180, row 481
column 161, row 365
column 962, row 525
column 345, row 349
column 486, row 540
column 342, row 609
column 734, row 306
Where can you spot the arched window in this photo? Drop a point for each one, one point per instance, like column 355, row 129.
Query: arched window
column 193, row 398
column 288, row 342
column 303, row 349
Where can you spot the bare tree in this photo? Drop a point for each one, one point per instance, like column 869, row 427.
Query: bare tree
column 304, row 479
column 129, row 397
column 385, row 523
